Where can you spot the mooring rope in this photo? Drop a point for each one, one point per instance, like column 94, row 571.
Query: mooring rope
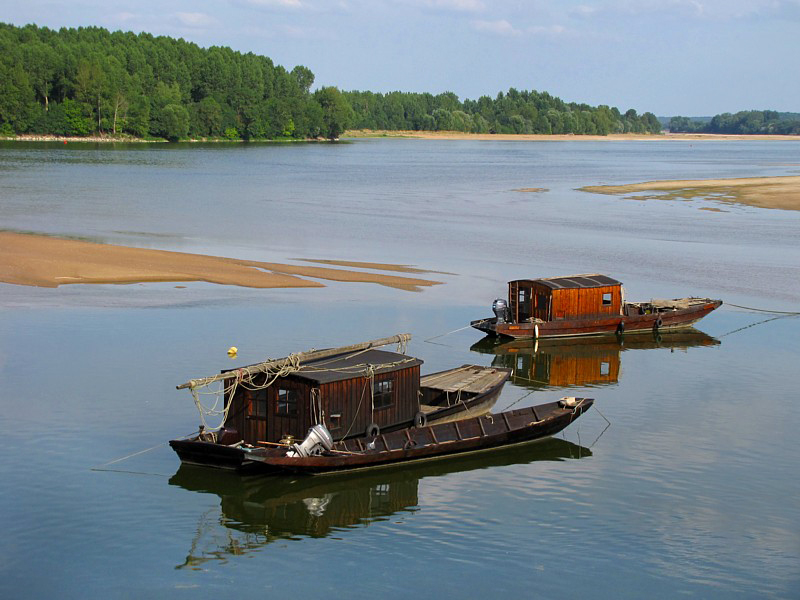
column 756, row 323
column 118, row 460
column 454, row 331
column 774, row 312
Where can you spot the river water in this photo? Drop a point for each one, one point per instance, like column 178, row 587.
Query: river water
column 692, row 490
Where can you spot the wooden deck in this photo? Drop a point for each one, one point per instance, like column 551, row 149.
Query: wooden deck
column 469, row 378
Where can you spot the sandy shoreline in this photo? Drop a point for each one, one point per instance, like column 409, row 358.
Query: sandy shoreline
column 617, row 137
column 765, row 192
column 45, row 261
column 444, row 135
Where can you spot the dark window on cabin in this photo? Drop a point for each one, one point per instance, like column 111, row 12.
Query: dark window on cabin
column 607, row 299
column 541, row 301
column 383, row 394
column 287, row 402
column 335, row 421
column 258, row 404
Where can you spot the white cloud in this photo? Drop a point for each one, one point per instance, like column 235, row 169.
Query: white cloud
column 453, row 5
column 273, row 3
column 500, row 27
column 124, row 17
column 682, row 9
column 195, row 19
column 551, row 30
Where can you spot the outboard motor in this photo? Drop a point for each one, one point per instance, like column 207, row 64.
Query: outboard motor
column 317, row 440
column 500, row 308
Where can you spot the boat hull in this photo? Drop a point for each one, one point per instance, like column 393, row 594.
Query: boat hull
column 440, row 441
column 617, row 324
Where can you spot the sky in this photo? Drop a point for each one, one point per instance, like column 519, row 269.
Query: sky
column 668, row 57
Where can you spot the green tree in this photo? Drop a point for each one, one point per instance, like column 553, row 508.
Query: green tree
column 336, row 112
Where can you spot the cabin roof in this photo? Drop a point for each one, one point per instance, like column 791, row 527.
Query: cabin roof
column 353, row 365
column 593, row 280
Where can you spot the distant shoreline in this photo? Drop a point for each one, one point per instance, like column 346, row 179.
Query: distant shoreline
column 521, row 137
column 433, row 135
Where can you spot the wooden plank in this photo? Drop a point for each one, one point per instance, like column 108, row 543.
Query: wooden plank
column 472, row 379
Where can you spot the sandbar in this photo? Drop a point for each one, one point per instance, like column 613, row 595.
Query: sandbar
column 45, row 261
column 765, row 192
column 369, row 265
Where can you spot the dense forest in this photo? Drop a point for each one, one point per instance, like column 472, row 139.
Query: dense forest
column 512, row 112
column 745, row 122
column 90, row 81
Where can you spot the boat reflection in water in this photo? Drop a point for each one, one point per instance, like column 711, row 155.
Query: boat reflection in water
column 581, row 361
column 255, row 511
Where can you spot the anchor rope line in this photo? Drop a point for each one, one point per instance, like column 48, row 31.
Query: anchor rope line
column 127, row 456
column 454, row 331
column 754, row 324
column 774, row 312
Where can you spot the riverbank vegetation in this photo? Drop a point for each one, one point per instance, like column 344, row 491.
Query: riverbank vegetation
column 749, row 122
column 92, row 82
column 89, row 81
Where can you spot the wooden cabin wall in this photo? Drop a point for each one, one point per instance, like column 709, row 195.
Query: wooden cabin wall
column 297, row 425
column 585, row 302
column 253, row 412
column 237, row 411
column 352, row 400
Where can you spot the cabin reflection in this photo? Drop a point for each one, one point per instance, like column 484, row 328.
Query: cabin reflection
column 582, row 361
column 255, row 511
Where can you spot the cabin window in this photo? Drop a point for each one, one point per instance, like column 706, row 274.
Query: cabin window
column 258, row 403
column 541, row 301
column 287, row 402
column 335, row 421
column 523, row 296
column 383, row 393
column 607, row 299
column 605, row 369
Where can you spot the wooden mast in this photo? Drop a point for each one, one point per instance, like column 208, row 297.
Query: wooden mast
column 247, row 372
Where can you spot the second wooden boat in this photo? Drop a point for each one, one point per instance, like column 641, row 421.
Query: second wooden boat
column 584, row 305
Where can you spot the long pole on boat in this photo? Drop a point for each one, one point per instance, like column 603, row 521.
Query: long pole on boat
column 246, row 372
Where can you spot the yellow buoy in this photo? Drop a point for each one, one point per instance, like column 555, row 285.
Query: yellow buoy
column 232, row 351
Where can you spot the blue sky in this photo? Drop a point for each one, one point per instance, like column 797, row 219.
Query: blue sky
column 670, row 57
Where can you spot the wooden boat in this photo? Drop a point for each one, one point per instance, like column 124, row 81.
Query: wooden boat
column 351, row 391
column 584, row 305
column 318, row 454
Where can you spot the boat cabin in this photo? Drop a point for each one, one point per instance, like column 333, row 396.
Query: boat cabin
column 348, row 393
column 559, row 298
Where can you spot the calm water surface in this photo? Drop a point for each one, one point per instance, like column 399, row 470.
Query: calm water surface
column 692, row 490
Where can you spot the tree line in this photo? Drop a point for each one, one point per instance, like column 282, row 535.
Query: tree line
column 511, row 112
column 746, row 122
column 89, row 81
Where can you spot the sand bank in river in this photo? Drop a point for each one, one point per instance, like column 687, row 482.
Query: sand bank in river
column 45, row 261
column 764, row 192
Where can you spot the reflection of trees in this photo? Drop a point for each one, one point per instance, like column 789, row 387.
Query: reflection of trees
column 580, row 361
column 255, row 511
